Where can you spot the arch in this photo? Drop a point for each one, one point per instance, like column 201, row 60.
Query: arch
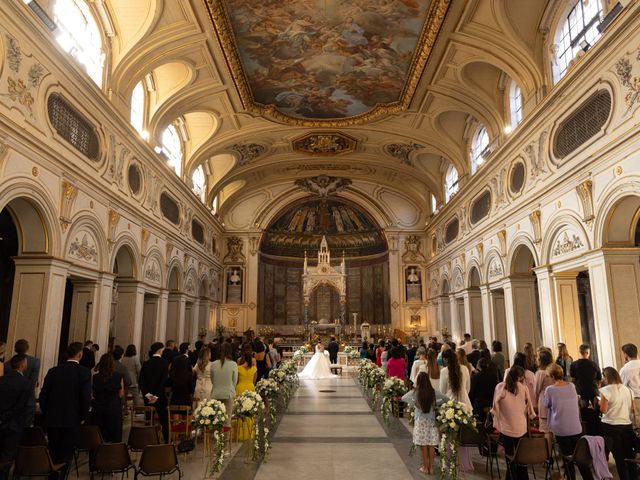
column 517, row 263
column 191, row 282
column 155, row 277
column 32, row 211
column 174, row 277
column 618, row 214
column 494, row 266
column 560, row 221
column 446, row 289
column 129, row 262
column 203, row 287
column 434, row 287
column 458, row 279
column 474, row 278
column 86, row 220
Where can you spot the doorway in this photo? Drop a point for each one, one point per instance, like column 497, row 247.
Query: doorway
column 585, row 306
column 8, row 250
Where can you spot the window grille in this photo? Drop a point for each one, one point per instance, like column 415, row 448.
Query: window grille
column 73, row 127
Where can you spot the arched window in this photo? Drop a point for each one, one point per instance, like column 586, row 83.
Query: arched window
column 515, row 104
column 79, row 35
column 479, row 148
column 172, row 148
column 199, row 182
column 450, row 182
column 578, row 32
column 434, row 203
column 137, row 109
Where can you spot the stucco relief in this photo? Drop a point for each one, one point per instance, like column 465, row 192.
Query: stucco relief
column 152, row 272
column 83, row 248
column 566, row 242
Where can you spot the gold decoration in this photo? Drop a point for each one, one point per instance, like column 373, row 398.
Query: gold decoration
column 68, row 197
column 326, row 143
column 502, row 237
column 618, row 170
column 585, row 195
column 536, row 225
column 35, row 172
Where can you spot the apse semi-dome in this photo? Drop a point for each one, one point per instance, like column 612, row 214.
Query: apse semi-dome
column 299, row 228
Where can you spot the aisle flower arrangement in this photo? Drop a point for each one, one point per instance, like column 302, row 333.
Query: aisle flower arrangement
column 269, row 390
column 450, row 418
column 249, row 405
column 371, row 378
column 392, row 388
column 210, row 416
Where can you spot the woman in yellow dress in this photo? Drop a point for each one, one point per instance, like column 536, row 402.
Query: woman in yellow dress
column 247, row 373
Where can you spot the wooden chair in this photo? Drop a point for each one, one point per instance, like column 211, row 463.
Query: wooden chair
column 36, row 462
column 148, row 411
column 158, row 460
column 33, row 437
column 110, row 458
column 179, row 422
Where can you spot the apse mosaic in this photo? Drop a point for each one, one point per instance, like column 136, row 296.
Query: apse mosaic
column 327, row 59
column 300, row 229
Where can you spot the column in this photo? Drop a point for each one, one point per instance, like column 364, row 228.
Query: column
column 468, row 315
column 195, row 322
column 36, row 307
column 455, row 321
column 251, row 292
column 396, row 286
column 102, row 309
column 547, row 304
column 163, row 308
column 488, row 324
column 567, row 311
column 83, row 304
column 510, row 320
column 175, row 316
column 129, row 314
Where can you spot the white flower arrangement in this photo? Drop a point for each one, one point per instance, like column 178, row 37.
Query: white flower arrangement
column 211, row 415
column 268, row 388
column 351, row 352
column 450, row 418
column 249, row 405
column 392, row 388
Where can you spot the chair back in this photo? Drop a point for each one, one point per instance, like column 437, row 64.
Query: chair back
column 111, row 457
column 468, row 437
column 140, row 437
column 532, row 451
column 148, row 411
column 32, row 461
column 179, row 421
column 581, row 454
column 89, row 438
column 158, row 459
column 33, row 437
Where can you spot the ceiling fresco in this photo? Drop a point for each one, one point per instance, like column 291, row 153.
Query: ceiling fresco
column 300, row 229
column 327, row 60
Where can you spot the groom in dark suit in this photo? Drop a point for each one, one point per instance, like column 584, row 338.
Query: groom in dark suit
column 333, row 347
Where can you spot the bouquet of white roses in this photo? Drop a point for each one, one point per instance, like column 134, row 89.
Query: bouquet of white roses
column 364, row 367
column 249, row 405
column 351, row 352
column 392, row 388
column 211, row 415
column 450, row 418
column 268, row 388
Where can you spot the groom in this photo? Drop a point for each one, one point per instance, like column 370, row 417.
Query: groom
column 333, row 348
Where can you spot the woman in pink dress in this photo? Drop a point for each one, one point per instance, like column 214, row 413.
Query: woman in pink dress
column 396, row 365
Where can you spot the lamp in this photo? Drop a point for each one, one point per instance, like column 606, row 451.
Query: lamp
column 584, row 45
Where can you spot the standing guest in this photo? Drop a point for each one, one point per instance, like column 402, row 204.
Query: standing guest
column 118, row 353
column 520, row 360
column 425, row 432
column 181, row 378
column 152, row 381
column 433, row 369
column 474, row 355
column 364, row 349
column 371, row 352
column 541, row 381
column 214, row 348
column 106, row 406
column 65, row 399
column 563, row 418
column 3, row 349
column 262, row 361
column 530, row 354
column 462, row 360
column 396, row 365
column 170, row 351
column 195, row 354
column 616, row 405
column 15, row 392
column 445, row 346
column 630, row 375
column 411, row 355
column 420, row 362
column 203, row 375
column 483, row 385
column 247, row 377
column 466, row 343
column 379, row 350
column 564, row 360
column 21, row 347
column 486, row 354
column 511, row 407
column 224, row 377
column 132, row 363
column 88, row 355
column 497, row 358
column 586, row 375
column 275, row 356
column 384, row 358
column 333, row 348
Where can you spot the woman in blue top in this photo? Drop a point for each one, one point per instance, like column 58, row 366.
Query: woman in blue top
column 425, row 431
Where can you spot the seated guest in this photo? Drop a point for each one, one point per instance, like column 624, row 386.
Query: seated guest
column 396, row 365
column 563, row 417
column 15, row 391
column 106, row 406
column 483, row 385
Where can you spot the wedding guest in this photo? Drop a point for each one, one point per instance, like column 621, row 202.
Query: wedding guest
column 170, row 352
column 433, row 369
column 106, row 406
column 396, row 365
column 262, row 361
column 420, row 362
column 195, row 354
column 541, row 381
column 511, row 406
column 498, row 358
column 132, row 363
column 564, row 360
column 21, row 347
column 466, row 343
column 520, row 360
column 474, row 355
column 275, row 357
column 224, row 377
column 117, row 353
column 181, row 378
column 153, row 379
column 411, row 355
column 88, row 356
column 530, row 357
column 616, row 405
column 445, row 346
column 586, row 376
column 15, row 393
column 379, row 350
column 384, row 358
column 455, row 381
column 483, row 385
column 371, row 352
column 247, row 377
column 363, row 350
column 203, row 371
column 462, row 360
column 563, row 418
column 630, row 374
column 425, row 433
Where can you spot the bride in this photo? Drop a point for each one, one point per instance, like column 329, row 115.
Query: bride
column 318, row 367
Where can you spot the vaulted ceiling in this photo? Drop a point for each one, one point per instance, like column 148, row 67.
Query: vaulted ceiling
column 256, row 128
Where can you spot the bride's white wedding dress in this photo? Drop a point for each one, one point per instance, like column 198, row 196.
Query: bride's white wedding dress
column 318, row 367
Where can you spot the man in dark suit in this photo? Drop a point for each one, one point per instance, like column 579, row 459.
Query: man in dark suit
column 15, row 391
column 153, row 378
column 88, row 355
column 170, row 351
column 411, row 355
column 65, row 399
column 333, row 348
column 32, row 373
